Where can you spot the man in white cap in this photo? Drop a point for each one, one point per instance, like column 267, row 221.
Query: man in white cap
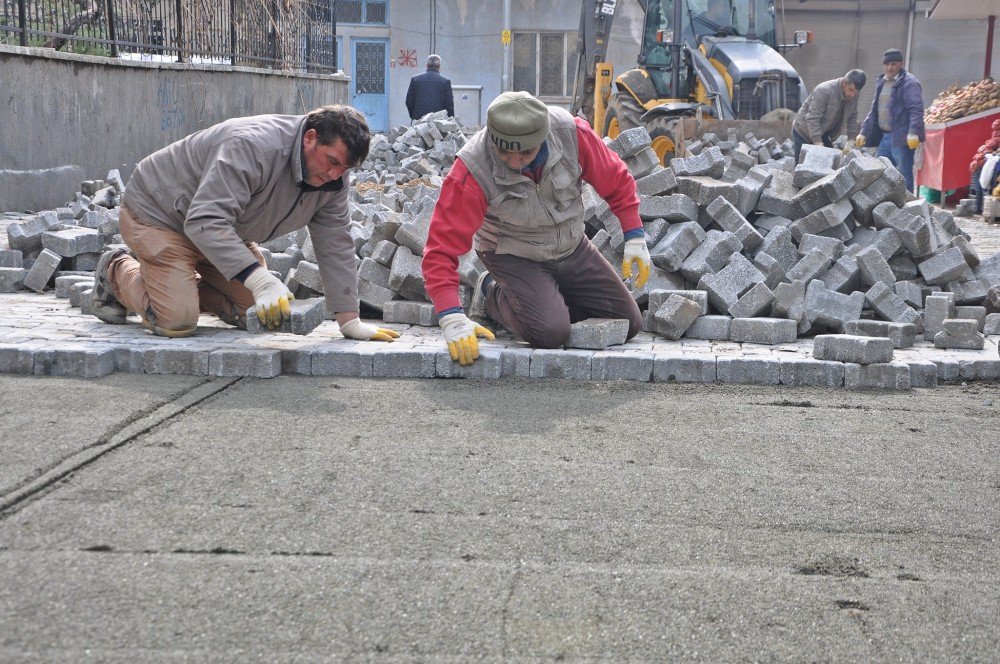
column 516, row 189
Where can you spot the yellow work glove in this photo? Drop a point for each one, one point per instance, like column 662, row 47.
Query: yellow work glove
column 636, row 252
column 461, row 334
column 860, row 141
column 912, row 141
column 358, row 329
column 271, row 297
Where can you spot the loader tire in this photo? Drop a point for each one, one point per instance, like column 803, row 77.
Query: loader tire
column 661, row 133
column 623, row 114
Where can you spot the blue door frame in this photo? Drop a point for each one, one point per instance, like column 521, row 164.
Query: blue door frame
column 370, row 81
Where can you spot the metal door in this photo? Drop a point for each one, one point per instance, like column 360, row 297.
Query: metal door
column 370, row 65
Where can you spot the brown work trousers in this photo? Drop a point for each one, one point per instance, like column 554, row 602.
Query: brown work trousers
column 172, row 281
column 538, row 301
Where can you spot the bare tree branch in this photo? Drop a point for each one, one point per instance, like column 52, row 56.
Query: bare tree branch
column 90, row 14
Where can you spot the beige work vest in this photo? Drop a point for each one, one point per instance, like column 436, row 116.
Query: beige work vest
column 540, row 222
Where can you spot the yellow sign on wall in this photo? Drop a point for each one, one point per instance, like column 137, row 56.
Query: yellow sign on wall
column 505, row 37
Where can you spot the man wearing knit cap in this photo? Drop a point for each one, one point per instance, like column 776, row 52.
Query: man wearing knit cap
column 516, row 191
column 896, row 119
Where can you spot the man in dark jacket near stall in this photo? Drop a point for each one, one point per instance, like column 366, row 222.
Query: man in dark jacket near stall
column 896, row 119
column 430, row 92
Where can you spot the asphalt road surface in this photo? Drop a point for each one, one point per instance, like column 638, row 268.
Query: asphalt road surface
column 172, row 518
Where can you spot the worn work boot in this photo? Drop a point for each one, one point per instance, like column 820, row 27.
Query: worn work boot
column 233, row 319
column 477, row 308
column 103, row 302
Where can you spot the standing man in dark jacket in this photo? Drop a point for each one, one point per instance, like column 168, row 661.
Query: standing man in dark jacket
column 896, row 119
column 193, row 212
column 830, row 110
column 430, row 92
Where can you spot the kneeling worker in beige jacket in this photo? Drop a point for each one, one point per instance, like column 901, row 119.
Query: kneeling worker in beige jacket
column 193, row 212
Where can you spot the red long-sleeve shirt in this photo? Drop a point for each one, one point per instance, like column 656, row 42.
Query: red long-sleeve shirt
column 461, row 208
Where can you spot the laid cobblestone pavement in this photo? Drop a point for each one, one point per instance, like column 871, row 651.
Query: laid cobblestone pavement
column 42, row 334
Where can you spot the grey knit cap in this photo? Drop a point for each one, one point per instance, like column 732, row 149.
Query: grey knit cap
column 516, row 121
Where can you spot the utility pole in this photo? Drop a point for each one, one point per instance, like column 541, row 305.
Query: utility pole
column 505, row 76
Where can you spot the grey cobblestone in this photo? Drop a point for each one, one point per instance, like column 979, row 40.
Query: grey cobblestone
column 886, row 376
column 40, row 327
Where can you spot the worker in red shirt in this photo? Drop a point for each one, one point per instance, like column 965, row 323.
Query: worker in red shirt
column 516, row 188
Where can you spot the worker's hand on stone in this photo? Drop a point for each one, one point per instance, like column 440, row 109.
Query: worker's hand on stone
column 462, row 334
column 860, row 141
column 849, row 147
column 636, row 252
column 271, row 297
column 912, row 141
column 819, row 143
column 355, row 328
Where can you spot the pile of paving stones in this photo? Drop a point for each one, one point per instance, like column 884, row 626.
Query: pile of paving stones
column 750, row 246
column 747, row 245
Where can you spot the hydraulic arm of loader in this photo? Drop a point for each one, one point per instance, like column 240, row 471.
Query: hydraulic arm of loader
column 594, row 76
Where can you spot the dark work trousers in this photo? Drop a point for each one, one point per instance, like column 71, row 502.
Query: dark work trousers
column 538, row 301
column 800, row 140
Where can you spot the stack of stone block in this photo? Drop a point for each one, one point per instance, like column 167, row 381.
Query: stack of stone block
column 824, row 242
column 746, row 244
column 66, row 241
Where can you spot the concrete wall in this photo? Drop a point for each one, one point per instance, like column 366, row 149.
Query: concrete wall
column 68, row 118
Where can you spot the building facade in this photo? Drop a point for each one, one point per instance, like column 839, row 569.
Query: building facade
column 488, row 46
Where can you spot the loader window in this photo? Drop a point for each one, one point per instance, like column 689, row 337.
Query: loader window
column 708, row 17
column 659, row 49
column 763, row 16
column 658, row 34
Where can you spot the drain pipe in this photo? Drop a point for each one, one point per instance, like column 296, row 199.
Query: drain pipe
column 505, row 75
column 909, row 34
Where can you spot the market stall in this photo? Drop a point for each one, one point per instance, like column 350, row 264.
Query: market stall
column 949, row 148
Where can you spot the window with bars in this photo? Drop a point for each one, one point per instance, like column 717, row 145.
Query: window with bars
column 544, row 63
column 365, row 12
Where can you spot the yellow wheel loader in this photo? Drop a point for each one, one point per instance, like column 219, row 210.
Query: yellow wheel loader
column 703, row 65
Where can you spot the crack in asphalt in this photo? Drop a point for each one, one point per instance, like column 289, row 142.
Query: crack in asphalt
column 130, row 429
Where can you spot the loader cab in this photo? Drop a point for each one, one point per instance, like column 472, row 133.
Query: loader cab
column 657, row 55
column 669, row 23
column 727, row 18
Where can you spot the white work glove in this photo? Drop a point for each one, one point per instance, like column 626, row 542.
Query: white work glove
column 848, row 147
column 860, row 141
column 358, row 329
column 461, row 333
column 271, row 297
column 912, row 141
column 636, row 252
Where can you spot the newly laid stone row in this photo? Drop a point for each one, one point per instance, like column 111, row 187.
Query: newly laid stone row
column 494, row 363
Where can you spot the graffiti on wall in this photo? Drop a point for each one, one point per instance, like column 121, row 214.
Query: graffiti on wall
column 168, row 99
column 407, row 57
